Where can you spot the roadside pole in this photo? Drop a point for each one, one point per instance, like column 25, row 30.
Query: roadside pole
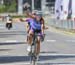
column 32, row 5
column 20, row 6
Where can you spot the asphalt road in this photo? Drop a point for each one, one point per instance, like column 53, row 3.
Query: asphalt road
column 57, row 48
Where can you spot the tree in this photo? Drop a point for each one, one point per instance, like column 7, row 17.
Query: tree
column 10, row 5
column 7, row 2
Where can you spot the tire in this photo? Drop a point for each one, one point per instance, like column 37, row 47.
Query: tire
column 33, row 51
column 35, row 47
column 9, row 25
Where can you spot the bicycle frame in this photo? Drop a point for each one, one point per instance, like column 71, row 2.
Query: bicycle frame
column 33, row 49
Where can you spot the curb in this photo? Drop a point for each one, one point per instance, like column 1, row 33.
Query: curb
column 61, row 31
column 67, row 32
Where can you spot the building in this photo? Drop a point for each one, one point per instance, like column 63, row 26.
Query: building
column 47, row 6
column 39, row 3
column 42, row 5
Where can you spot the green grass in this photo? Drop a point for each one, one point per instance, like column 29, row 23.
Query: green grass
column 18, row 16
column 2, row 8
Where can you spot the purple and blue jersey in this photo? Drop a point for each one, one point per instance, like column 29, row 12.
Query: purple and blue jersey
column 34, row 24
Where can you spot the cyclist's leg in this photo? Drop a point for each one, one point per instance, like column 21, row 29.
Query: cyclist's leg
column 27, row 29
column 30, row 39
column 30, row 36
column 38, row 45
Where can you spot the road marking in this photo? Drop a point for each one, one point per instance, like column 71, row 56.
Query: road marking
column 11, row 41
column 51, row 40
column 51, row 54
column 14, row 41
column 70, row 40
column 1, row 24
column 55, row 63
column 19, row 63
column 1, row 27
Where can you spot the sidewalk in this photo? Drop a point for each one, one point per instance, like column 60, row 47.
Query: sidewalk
column 58, row 30
column 61, row 31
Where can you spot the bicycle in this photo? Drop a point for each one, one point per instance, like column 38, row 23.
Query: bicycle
column 33, row 54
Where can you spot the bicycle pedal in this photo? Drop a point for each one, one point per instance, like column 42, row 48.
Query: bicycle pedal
column 30, row 53
column 34, row 58
column 37, row 59
column 32, row 44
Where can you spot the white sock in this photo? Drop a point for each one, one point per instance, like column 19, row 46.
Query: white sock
column 29, row 48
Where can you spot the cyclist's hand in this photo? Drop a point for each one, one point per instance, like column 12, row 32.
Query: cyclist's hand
column 42, row 38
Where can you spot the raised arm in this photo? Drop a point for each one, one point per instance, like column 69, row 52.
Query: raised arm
column 24, row 20
column 29, row 14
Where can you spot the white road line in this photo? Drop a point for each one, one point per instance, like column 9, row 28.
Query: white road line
column 14, row 41
column 2, row 27
column 11, row 41
column 51, row 40
column 51, row 54
column 1, row 24
column 70, row 40
column 20, row 63
column 55, row 63
column 25, row 40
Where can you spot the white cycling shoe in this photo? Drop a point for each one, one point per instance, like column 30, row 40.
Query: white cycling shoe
column 29, row 48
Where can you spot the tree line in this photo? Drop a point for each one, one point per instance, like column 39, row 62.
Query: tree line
column 8, row 6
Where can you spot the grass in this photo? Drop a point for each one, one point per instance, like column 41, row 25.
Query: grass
column 18, row 16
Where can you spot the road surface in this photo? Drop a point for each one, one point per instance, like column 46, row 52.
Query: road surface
column 57, row 48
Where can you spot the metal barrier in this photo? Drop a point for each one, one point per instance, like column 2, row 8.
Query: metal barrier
column 64, row 24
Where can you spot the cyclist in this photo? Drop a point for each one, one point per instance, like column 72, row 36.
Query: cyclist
column 29, row 19
column 34, row 21
column 36, row 25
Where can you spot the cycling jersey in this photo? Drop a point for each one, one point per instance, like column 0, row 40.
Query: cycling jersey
column 29, row 20
column 34, row 23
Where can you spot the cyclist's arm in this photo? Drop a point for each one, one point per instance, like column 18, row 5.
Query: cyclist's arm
column 27, row 28
column 42, row 25
column 30, row 15
column 24, row 20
